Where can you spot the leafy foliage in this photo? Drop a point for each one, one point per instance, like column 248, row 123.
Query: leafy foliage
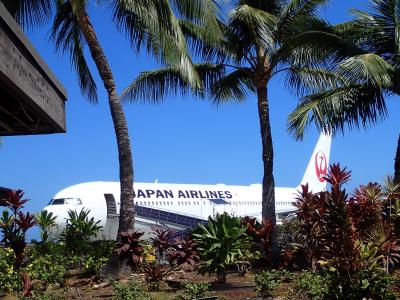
column 78, row 231
column 365, row 209
column 14, row 226
column 9, row 279
column 355, row 269
column 221, row 242
column 130, row 247
column 153, row 276
column 162, row 240
column 130, row 291
column 45, row 220
column 195, row 290
column 311, row 285
column 183, row 251
column 266, row 281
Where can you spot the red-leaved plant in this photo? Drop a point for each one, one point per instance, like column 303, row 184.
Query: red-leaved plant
column 130, row 247
column 183, row 251
column 365, row 209
column 260, row 233
column 13, row 228
column 162, row 241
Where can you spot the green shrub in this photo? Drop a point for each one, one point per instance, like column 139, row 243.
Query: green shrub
column 221, row 243
column 266, row 281
column 78, row 232
column 195, row 290
column 129, row 291
column 49, row 269
column 365, row 284
column 45, row 221
column 311, row 285
column 9, row 279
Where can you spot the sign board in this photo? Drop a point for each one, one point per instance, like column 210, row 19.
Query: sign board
column 32, row 100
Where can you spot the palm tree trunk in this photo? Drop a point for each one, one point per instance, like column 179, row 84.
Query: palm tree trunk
column 268, row 185
column 127, row 209
column 397, row 163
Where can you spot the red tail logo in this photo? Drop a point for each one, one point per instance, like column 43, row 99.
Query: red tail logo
column 321, row 167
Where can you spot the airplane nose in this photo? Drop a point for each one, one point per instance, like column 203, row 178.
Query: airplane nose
column 60, row 220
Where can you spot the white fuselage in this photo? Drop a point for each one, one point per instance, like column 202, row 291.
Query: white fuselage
column 197, row 201
column 162, row 203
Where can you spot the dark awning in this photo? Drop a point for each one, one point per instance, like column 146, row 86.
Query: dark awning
column 31, row 98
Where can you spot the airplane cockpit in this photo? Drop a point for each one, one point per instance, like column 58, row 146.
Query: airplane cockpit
column 68, row 201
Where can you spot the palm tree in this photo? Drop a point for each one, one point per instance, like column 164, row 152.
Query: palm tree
column 262, row 39
column 356, row 85
column 149, row 24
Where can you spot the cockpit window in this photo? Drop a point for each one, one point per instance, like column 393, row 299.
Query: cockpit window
column 73, row 201
column 58, row 201
column 70, row 201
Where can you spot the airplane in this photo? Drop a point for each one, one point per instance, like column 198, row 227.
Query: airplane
column 182, row 206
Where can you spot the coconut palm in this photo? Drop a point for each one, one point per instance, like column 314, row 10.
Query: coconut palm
column 262, row 39
column 357, row 85
column 149, row 24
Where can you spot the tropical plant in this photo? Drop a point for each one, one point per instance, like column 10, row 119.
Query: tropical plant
column 15, row 225
column 45, row 220
column 161, row 241
column 261, row 234
column 9, row 278
column 266, row 281
column 154, row 274
column 151, row 25
column 78, row 231
column 48, row 269
column 261, row 40
column 131, row 248
column 365, row 209
column 221, row 243
column 129, row 291
column 183, row 251
column 195, row 290
column 310, row 209
column 310, row 285
column 362, row 68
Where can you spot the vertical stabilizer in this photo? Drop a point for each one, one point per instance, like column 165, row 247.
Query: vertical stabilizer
column 318, row 166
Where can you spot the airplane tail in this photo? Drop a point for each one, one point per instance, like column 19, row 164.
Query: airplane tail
column 318, row 165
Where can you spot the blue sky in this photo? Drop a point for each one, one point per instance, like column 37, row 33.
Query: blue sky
column 182, row 140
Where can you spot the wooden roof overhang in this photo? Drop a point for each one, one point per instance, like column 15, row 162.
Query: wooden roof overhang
column 32, row 100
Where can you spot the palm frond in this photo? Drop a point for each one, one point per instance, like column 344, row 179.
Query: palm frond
column 258, row 24
column 315, row 48
column 29, row 13
column 351, row 105
column 368, row 68
column 68, row 38
column 153, row 25
column 204, row 43
column 297, row 11
column 153, row 86
column 203, row 13
column 305, row 80
column 233, row 86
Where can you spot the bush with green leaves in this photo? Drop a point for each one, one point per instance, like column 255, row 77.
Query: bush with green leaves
column 310, row 285
column 221, row 243
column 195, row 290
column 129, row 291
column 266, row 281
column 78, row 231
column 9, row 279
column 45, row 221
column 49, row 269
